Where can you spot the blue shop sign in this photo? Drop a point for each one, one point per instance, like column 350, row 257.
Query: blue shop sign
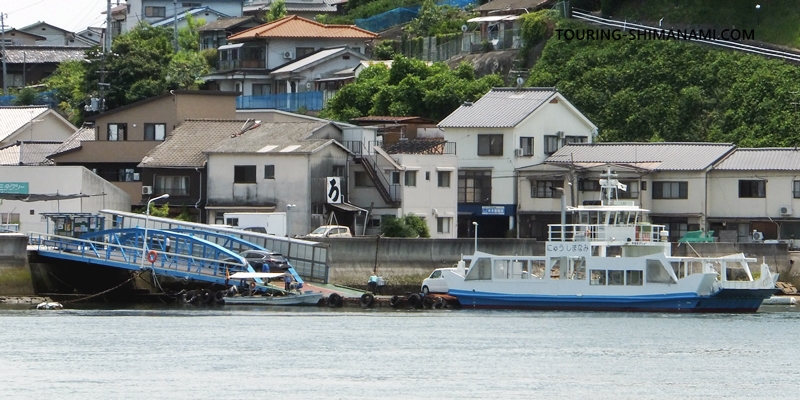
column 14, row 187
column 493, row 210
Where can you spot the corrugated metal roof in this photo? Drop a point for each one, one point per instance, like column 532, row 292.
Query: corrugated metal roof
column 312, row 58
column 14, row 118
column 294, row 26
column 500, row 108
column 512, row 5
column 284, row 136
column 652, row 156
column 44, row 54
column 763, row 159
column 32, row 153
column 83, row 134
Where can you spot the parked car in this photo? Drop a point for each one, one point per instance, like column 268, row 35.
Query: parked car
column 435, row 283
column 331, row 231
column 257, row 258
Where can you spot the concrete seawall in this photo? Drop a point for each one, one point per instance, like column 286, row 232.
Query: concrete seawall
column 15, row 275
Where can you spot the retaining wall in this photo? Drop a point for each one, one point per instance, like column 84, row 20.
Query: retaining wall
column 15, row 275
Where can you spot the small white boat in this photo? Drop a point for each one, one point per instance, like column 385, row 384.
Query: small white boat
column 49, row 305
column 780, row 301
column 309, row 298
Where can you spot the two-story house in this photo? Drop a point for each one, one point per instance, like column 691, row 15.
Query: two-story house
column 214, row 34
column 124, row 135
column 270, row 166
column 669, row 179
column 303, row 8
column 33, row 123
column 156, row 11
column 506, row 129
column 246, row 64
column 55, row 36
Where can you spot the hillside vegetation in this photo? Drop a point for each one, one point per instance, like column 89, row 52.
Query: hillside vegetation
column 650, row 90
column 775, row 21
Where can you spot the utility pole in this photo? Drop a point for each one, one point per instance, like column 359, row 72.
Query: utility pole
column 3, row 47
column 108, row 27
column 175, row 23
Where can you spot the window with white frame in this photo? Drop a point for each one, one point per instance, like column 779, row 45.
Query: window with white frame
column 443, row 224
column 796, row 189
column 411, row 178
column 443, row 178
column 117, row 132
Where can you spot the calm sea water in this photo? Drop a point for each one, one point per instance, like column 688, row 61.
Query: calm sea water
column 314, row 353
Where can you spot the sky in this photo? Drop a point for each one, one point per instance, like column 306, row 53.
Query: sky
column 72, row 15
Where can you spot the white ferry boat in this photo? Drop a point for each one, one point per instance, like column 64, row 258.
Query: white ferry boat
column 611, row 259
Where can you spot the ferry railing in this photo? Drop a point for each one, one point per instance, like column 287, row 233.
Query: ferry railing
column 121, row 255
column 602, row 233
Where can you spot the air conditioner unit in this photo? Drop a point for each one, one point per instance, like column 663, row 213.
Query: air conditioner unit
column 518, row 152
column 786, row 211
column 147, row 190
column 287, row 55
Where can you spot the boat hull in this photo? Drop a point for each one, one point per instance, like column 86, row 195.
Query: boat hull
column 724, row 301
column 306, row 299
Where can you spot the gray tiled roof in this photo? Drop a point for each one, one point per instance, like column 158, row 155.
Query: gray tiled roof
column 31, row 153
column 83, row 134
column 518, row 6
column 500, row 108
column 763, row 159
column 184, row 146
column 223, row 23
column 281, row 135
column 652, row 156
column 43, row 54
column 14, row 118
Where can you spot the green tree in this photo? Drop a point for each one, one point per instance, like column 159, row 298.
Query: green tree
column 277, row 10
column 69, row 84
column 189, row 36
column 25, row 97
column 409, row 226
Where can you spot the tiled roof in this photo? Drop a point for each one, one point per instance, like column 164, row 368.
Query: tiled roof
column 500, row 108
column 296, row 27
column 273, row 137
column 14, row 118
column 44, row 54
column 520, row 6
column 390, row 119
column 184, row 147
column 83, row 134
column 223, row 23
column 763, row 159
column 292, row 6
column 307, row 61
column 651, row 156
column 32, row 153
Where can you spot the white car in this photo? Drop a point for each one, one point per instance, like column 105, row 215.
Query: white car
column 331, row 231
column 435, row 283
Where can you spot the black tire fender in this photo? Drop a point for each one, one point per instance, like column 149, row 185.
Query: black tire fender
column 206, row 296
column 427, row 302
column 334, row 300
column 367, row 300
column 415, row 300
column 190, row 297
column 439, row 303
column 395, row 301
column 219, row 296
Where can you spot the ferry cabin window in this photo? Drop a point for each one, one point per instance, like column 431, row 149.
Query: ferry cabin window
column 490, row 145
column 656, row 273
column 752, row 188
column 481, row 270
column 443, row 178
column 542, row 189
column 633, row 278
column 616, row 278
column 670, row 190
column 597, row 277
column 244, row 174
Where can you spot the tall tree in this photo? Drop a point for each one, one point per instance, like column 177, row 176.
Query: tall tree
column 277, row 10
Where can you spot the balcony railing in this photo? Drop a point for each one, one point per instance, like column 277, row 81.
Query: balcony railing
column 310, row 101
column 224, row 65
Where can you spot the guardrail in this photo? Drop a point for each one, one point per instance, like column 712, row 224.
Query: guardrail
column 720, row 43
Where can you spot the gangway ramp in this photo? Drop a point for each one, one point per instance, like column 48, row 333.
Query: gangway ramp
column 190, row 257
column 308, row 259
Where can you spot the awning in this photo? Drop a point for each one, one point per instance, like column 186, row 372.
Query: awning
column 347, row 207
column 230, row 46
column 445, row 168
column 494, row 18
column 42, row 197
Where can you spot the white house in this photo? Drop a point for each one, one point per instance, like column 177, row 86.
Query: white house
column 155, row 11
column 506, row 129
column 55, row 36
column 33, row 123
